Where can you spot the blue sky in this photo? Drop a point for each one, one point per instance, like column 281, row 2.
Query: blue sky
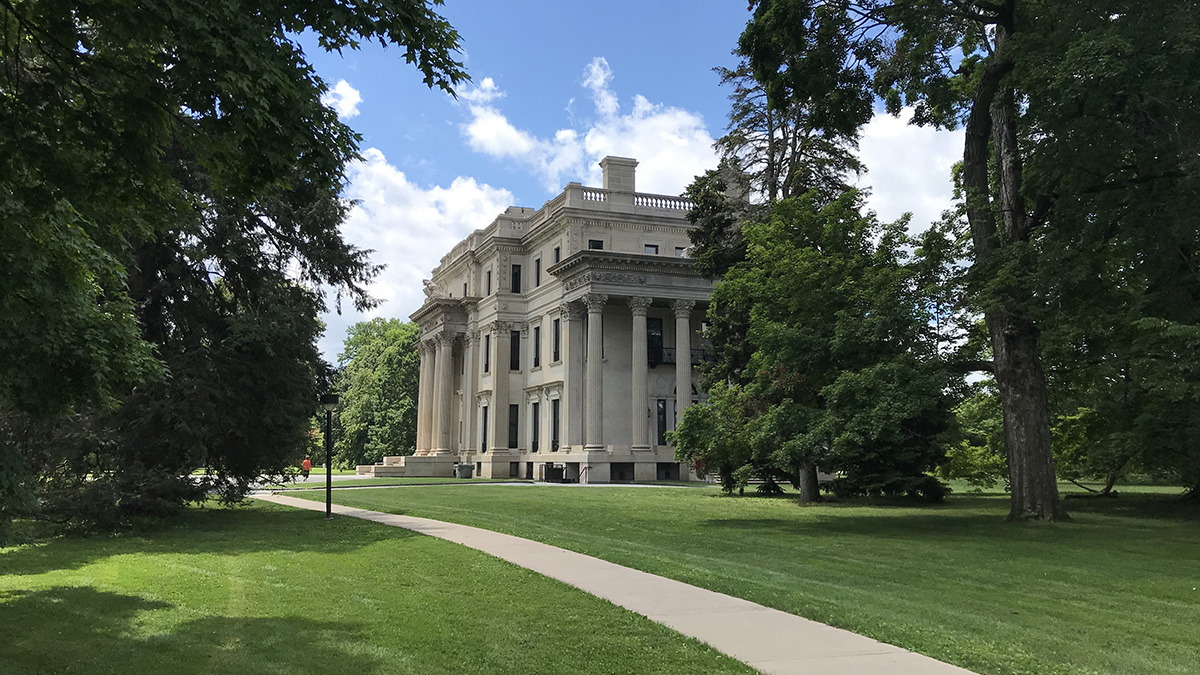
column 556, row 87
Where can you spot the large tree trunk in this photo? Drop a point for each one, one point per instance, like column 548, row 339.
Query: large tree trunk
column 1022, row 386
column 1014, row 336
column 810, row 489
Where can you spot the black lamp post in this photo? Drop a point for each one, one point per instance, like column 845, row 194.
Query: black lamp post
column 329, row 402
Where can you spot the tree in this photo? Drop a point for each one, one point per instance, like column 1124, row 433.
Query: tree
column 378, row 384
column 843, row 369
column 1070, row 109
column 780, row 152
column 172, row 186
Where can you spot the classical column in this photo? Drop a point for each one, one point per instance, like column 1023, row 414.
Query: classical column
column 593, row 429
column 571, row 316
column 501, row 339
column 683, row 354
column 639, row 306
column 468, row 442
column 443, row 391
column 425, row 397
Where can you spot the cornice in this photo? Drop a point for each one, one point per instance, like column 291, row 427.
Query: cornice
column 622, row 262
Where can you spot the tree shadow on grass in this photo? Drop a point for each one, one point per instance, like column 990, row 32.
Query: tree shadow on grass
column 220, row 531
column 1158, row 515
column 81, row 630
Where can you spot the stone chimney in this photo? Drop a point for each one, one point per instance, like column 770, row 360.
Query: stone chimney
column 618, row 173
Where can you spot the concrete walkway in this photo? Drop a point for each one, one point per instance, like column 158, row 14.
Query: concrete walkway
column 767, row 639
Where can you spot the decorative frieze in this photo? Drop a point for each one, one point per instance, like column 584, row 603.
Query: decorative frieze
column 604, row 277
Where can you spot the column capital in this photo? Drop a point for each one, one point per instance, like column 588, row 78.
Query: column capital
column 499, row 328
column 446, row 339
column 683, row 307
column 639, row 305
column 594, row 301
column 570, row 311
column 471, row 337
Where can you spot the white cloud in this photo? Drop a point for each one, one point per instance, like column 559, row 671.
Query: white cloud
column 410, row 227
column 672, row 145
column 343, row 98
column 909, row 168
column 485, row 92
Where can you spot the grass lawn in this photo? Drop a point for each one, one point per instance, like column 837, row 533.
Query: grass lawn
column 1115, row 591
column 266, row 589
column 400, row 480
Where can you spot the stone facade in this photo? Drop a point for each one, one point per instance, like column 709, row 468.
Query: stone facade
column 557, row 340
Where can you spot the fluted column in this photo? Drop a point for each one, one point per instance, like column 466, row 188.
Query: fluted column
column 593, row 429
column 470, row 347
column 683, row 354
column 638, row 439
column 571, row 316
column 425, row 397
column 443, row 390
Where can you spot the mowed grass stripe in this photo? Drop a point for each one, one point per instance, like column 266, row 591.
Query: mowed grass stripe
column 265, row 589
column 1108, row 593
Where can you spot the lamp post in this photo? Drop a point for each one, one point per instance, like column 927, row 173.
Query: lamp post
column 329, row 402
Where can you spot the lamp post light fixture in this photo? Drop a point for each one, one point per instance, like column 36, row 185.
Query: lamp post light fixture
column 329, row 402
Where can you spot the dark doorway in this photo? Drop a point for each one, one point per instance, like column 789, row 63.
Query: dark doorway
column 662, row 421
column 483, row 431
column 514, row 414
column 536, row 428
column 555, row 414
column 667, row 471
column 621, row 472
column 654, row 340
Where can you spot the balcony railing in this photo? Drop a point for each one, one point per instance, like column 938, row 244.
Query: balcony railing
column 668, row 355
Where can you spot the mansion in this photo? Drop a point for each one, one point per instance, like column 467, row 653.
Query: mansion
column 558, row 343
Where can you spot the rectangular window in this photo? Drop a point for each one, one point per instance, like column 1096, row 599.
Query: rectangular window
column 487, row 352
column 654, row 340
column 680, row 251
column 483, row 431
column 489, row 283
column 555, row 413
column 596, row 244
column 650, row 249
column 537, row 423
column 537, row 272
column 537, row 346
column 557, row 254
column 516, row 278
column 557, row 356
column 464, row 289
column 514, row 350
column 662, row 421
column 514, row 412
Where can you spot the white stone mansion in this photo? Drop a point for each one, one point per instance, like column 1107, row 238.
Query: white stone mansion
column 558, row 343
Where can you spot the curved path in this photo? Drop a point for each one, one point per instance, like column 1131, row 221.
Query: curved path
column 767, row 639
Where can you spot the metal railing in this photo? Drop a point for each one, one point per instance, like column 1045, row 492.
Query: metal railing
column 667, row 355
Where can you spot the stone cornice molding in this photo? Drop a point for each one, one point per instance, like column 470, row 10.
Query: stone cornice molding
column 633, row 263
column 594, row 302
column 638, row 305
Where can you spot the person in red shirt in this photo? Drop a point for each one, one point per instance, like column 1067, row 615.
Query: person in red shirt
column 305, row 466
